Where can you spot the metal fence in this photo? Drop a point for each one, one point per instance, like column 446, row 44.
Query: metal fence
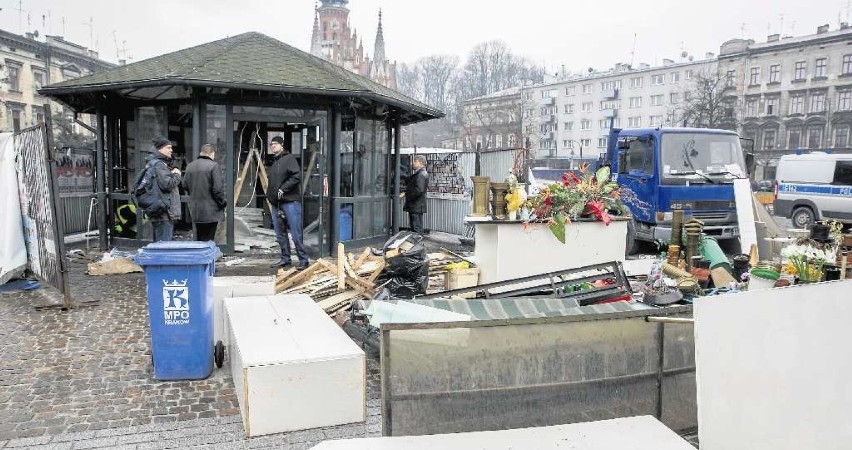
column 502, row 374
column 43, row 233
column 75, row 169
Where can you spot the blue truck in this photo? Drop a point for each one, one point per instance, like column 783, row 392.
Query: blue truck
column 661, row 170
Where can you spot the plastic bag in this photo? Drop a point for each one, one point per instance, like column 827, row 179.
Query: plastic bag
column 407, row 274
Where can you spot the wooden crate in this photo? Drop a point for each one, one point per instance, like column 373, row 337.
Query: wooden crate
column 462, row 278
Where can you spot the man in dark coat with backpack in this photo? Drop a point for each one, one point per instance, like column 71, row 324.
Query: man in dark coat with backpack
column 165, row 183
column 204, row 182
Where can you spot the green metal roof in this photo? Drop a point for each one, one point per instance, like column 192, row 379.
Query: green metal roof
column 248, row 61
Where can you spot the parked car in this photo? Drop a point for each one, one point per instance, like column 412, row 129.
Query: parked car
column 765, row 186
column 814, row 186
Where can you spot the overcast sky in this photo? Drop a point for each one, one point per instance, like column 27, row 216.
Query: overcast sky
column 577, row 33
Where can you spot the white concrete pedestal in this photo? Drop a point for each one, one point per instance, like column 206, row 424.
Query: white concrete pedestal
column 505, row 250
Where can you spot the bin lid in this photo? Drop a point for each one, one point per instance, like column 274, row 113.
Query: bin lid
column 177, row 253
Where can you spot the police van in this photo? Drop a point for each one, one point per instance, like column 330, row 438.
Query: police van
column 814, row 186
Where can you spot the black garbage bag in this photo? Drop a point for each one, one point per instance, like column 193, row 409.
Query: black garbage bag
column 406, row 274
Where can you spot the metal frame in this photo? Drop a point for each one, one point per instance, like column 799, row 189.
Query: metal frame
column 660, row 375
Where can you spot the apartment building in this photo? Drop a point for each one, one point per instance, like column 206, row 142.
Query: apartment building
column 573, row 116
column 792, row 93
column 28, row 63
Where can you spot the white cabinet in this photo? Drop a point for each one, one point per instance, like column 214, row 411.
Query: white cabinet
column 293, row 367
column 225, row 287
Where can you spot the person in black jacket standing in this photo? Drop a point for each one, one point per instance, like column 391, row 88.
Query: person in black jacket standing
column 168, row 181
column 204, row 183
column 415, row 193
column 285, row 178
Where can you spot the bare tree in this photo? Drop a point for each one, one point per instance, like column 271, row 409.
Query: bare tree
column 707, row 105
column 437, row 72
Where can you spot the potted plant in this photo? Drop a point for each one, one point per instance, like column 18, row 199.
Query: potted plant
column 806, row 259
column 589, row 194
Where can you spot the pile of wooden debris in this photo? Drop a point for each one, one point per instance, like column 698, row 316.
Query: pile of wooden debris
column 335, row 284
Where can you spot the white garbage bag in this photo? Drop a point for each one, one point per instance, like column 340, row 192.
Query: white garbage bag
column 13, row 251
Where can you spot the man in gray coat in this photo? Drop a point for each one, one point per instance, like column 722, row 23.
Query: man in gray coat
column 168, row 181
column 205, row 185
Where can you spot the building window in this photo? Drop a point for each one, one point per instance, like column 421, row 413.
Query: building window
column 795, row 137
column 674, row 98
column 585, row 124
column 847, row 65
column 38, row 79
column 528, row 96
column 585, row 142
column 568, row 126
column 815, row 137
column 569, row 109
column 498, row 141
column 655, row 120
column 797, row 104
column 820, row 69
column 587, row 88
column 817, row 102
column 567, row 143
column 570, row 90
column 730, row 78
column 772, row 106
column 14, row 78
column 841, row 136
column 635, row 102
column 602, row 142
column 768, row 139
column 478, row 141
column 657, row 100
column 754, row 76
column 38, row 115
column 775, row 73
column 587, row 106
column 511, row 140
column 844, row 100
column 636, row 83
column 751, row 107
column 603, row 124
column 675, row 77
column 610, row 85
column 634, row 122
column 800, row 71
column 657, row 80
column 688, row 75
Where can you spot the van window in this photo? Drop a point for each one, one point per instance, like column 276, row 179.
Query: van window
column 843, row 173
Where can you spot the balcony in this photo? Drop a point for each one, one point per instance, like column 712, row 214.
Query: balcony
column 608, row 113
column 547, row 101
column 548, row 118
column 610, row 94
column 547, row 135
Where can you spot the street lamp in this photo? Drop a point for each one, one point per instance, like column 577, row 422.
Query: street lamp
column 580, row 144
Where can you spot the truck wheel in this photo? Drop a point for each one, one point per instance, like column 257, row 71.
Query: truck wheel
column 802, row 217
column 632, row 244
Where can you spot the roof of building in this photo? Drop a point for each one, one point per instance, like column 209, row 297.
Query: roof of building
column 246, row 61
column 630, row 71
column 798, row 40
column 504, row 93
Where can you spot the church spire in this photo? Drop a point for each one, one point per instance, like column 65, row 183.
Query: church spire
column 379, row 50
column 316, row 39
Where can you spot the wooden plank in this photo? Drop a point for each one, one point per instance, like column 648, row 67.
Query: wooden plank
column 301, row 276
column 341, row 261
column 346, row 297
column 362, row 258
column 238, row 186
column 377, row 272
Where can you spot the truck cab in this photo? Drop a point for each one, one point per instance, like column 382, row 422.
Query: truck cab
column 661, row 170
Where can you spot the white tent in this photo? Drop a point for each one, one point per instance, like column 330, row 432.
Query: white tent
column 13, row 251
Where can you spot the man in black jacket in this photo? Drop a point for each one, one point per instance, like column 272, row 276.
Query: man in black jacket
column 285, row 178
column 168, row 181
column 415, row 193
column 204, row 183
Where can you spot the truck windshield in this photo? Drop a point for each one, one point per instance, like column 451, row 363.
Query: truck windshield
column 701, row 154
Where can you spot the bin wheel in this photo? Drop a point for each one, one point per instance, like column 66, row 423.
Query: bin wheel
column 219, row 353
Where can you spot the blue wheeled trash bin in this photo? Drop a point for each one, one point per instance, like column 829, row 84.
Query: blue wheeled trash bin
column 180, row 307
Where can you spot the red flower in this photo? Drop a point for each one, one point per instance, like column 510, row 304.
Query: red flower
column 548, row 201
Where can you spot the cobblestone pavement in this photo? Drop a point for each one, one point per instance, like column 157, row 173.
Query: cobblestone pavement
column 83, row 378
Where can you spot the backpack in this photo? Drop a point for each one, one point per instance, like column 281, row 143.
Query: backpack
column 148, row 196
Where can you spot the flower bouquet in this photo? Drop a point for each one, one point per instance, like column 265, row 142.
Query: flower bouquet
column 515, row 197
column 591, row 194
column 806, row 258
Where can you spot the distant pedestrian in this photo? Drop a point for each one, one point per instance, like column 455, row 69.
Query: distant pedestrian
column 284, row 195
column 167, row 180
column 204, row 183
column 415, row 193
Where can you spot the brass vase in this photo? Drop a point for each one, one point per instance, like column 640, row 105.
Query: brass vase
column 498, row 200
column 480, row 196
